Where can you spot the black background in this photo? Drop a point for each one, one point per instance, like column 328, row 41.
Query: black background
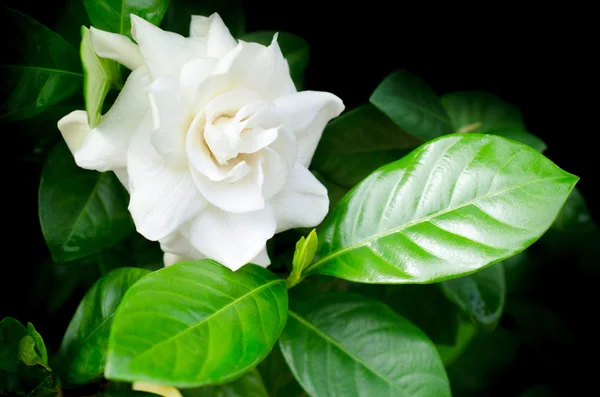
column 541, row 59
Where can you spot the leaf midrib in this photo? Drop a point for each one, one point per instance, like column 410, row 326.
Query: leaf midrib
column 338, row 345
column 207, row 318
column 424, row 219
column 42, row 69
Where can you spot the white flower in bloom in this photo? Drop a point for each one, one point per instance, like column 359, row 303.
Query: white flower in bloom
column 210, row 138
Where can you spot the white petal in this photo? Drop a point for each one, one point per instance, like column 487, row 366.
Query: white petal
column 231, row 239
column 243, row 195
column 307, row 113
column 219, row 40
column 171, row 118
column 177, row 245
column 275, row 170
column 193, row 73
column 116, row 47
column 258, row 68
column 171, row 259
column 162, row 198
column 302, row 202
column 165, row 52
column 105, row 147
column 262, row 259
column 121, row 174
column 74, row 128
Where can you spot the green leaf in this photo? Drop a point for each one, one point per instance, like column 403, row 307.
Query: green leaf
column 357, row 143
column 114, row 15
column 69, row 21
column 483, row 112
column 40, row 69
column 479, row 295
column 231, row 318
column 278, row 378
column 450, row 208
column 477, row 111
column 40, row 347
column 178, row 16
column 574, row 216
column 482, row 361
column 341, row 344
column 412, row 105
column 100, row 75
column 248, row 385
column 85, row 344
column 423, row 305
column 27, row 351
column 11, row 332
column 295, row 50
column 81, row 212
column 449, row 353
column 303, row 256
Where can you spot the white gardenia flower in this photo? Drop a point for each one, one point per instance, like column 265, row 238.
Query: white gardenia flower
column 210, row 138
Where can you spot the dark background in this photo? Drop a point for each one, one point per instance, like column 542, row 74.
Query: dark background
column 541, row 59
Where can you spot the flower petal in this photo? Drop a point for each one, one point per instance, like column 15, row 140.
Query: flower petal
column 302, row 202
column 105, row 147
column 116, row 47
column 171, row 120
column 165, row 52
column 219, row 40
column 74, row 128
column 238, row 196
column 177, row 245
column 262, row 259
column 193, row 73
column 162, row 198
column 306, row 114
column 231, row 239
column 258, row 68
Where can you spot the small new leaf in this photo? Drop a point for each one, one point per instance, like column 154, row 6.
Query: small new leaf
column 303, row 256
column 27, row 351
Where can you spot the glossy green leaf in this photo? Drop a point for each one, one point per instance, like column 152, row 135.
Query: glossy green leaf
column 278, row 378
column 479, row 295
column 483, row 112
column 449, row 353
column 294, row 49
column 178, row 16
column 81, row 212
column 231, row 318
column 574, row 216
column 303, row 256
column 100, row 75
column 423, row 305
column 412, row 105
column 247, row 385
column 39, row 345
column 40, row 69
column 357, row 143
column 451, row 207
column 114, row 15
column 347, row 345
column 85, row 344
